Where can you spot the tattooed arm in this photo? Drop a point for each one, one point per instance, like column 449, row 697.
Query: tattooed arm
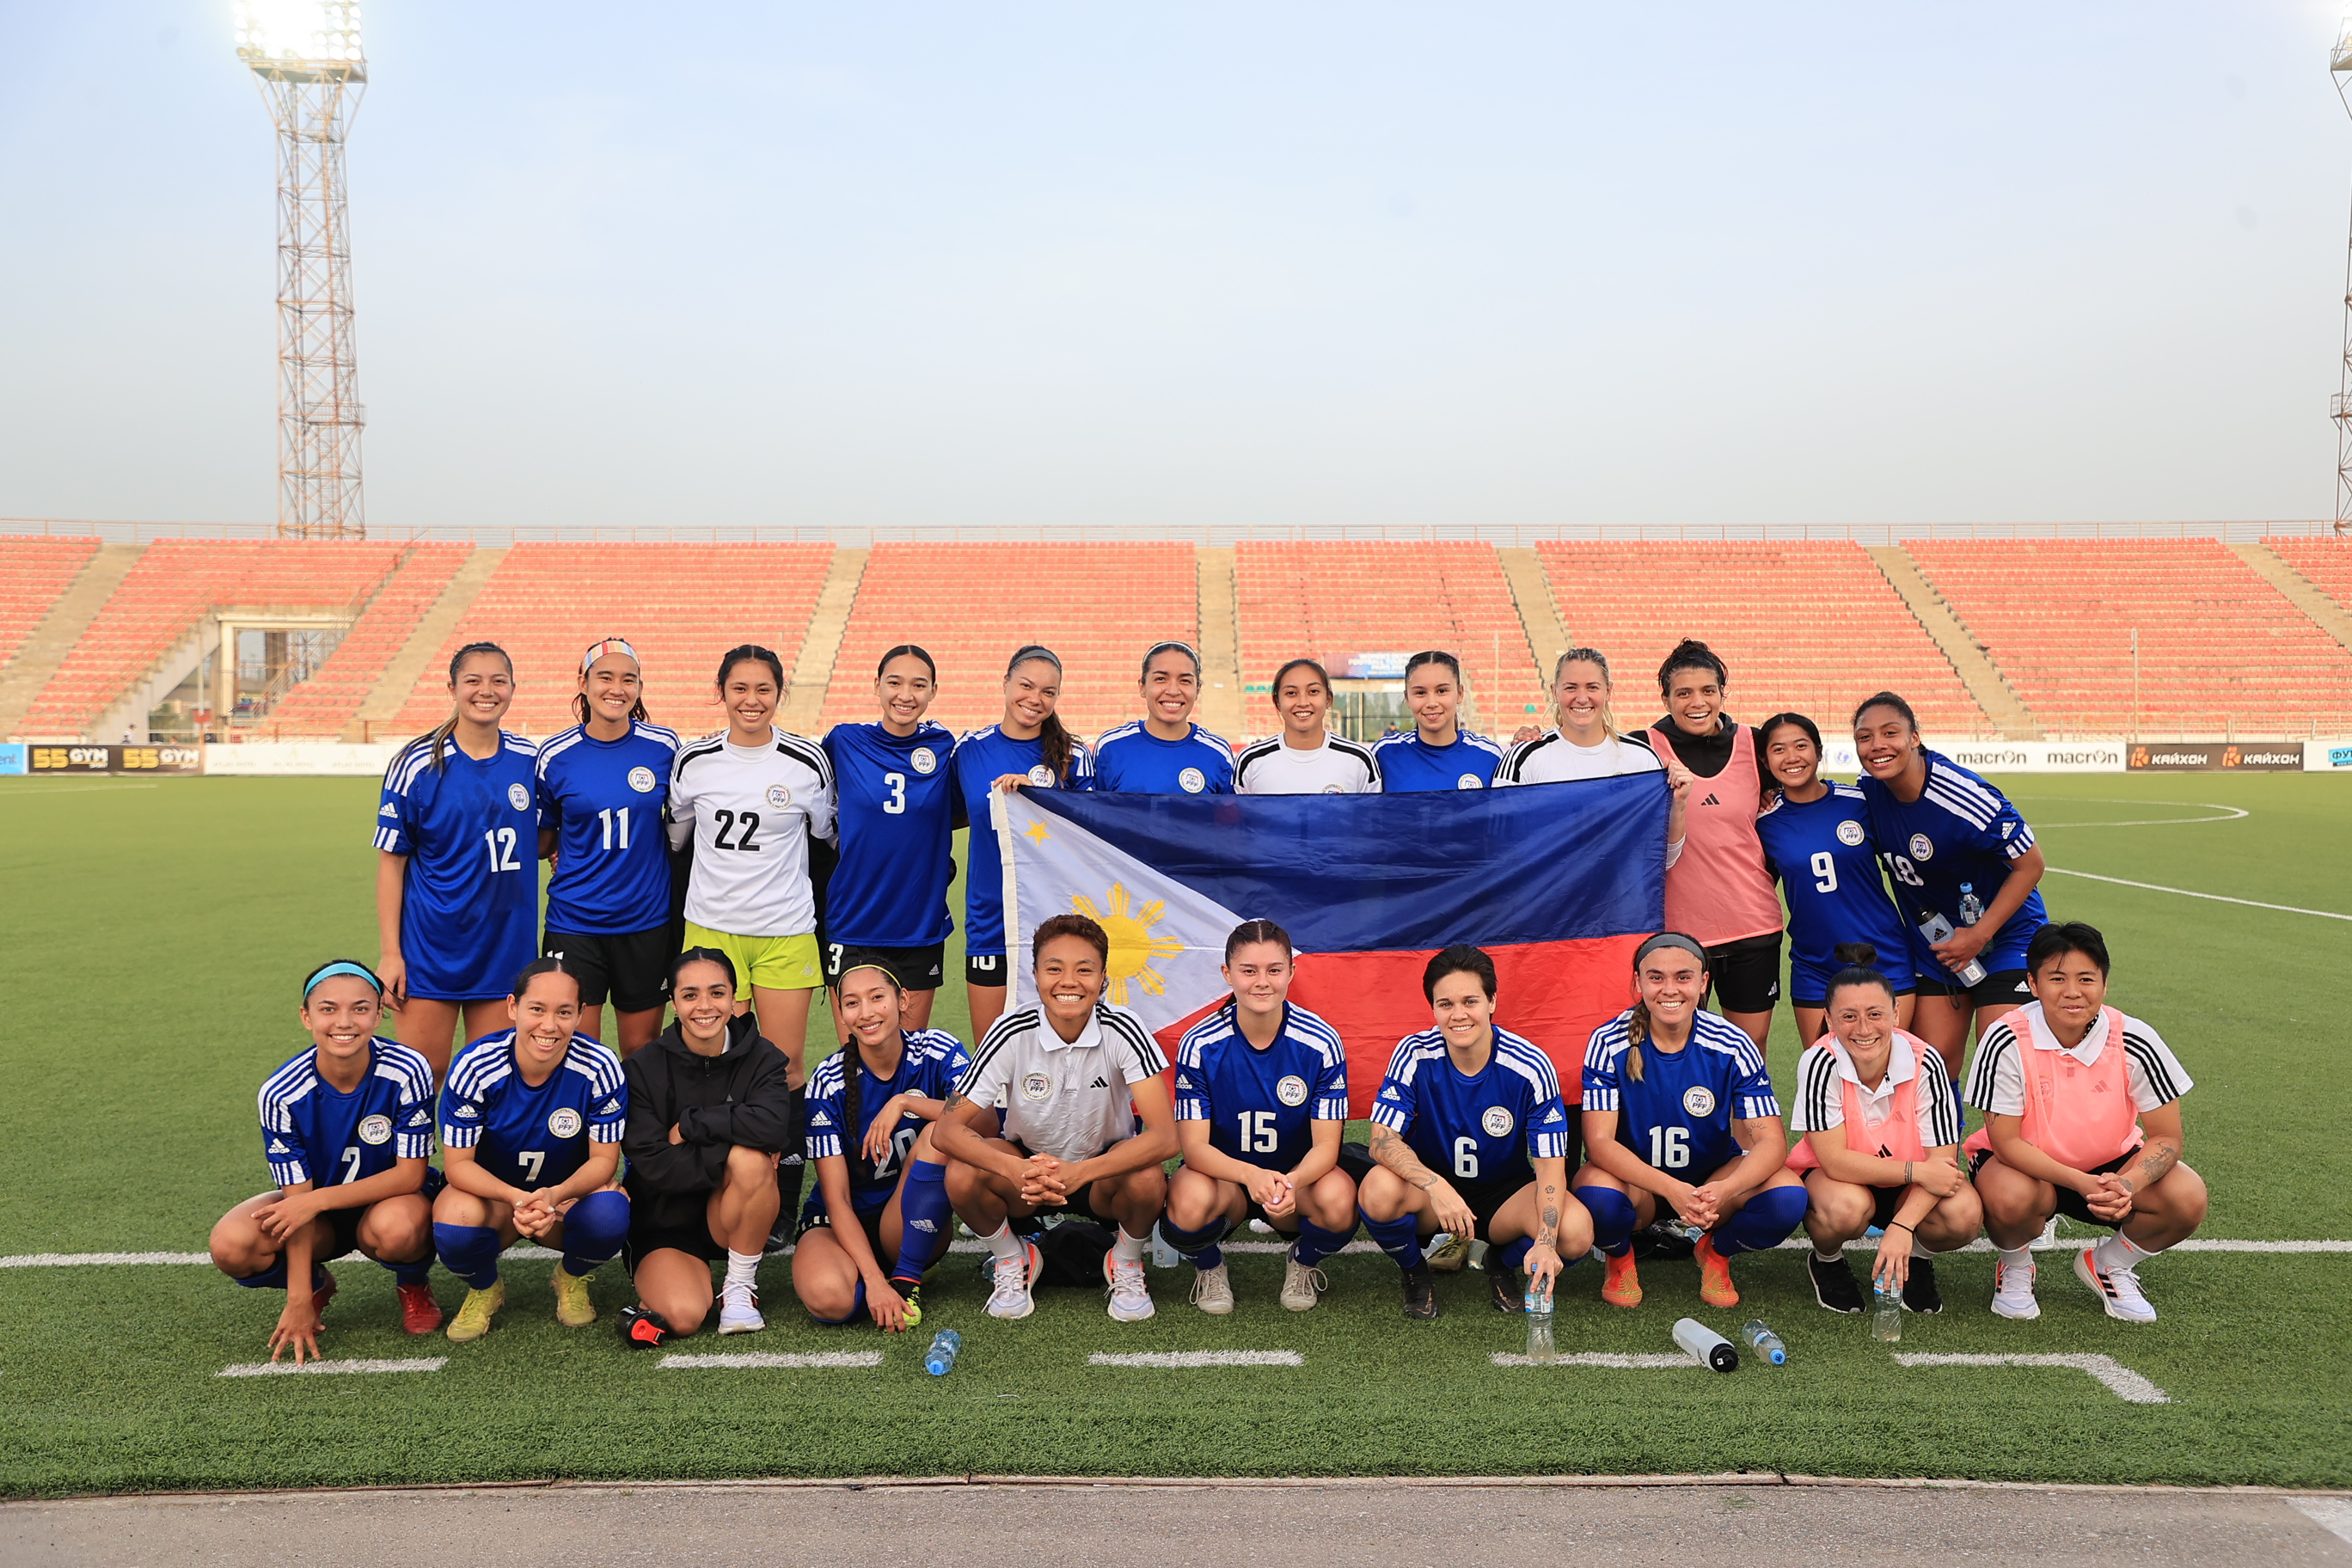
column 1438, row 1200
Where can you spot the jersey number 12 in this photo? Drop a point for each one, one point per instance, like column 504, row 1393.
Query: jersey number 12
column 500, row 842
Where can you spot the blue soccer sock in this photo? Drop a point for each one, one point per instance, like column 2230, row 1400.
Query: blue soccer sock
column 1764, row 1224
column 468, row 1251
column 1316, row 1244
column 1198, row 1246
column 857, row 1307
column 594, row 1231
column 1613, row 1218
column 1514, row 1253
column 926, row 1219
column 1400, row 1239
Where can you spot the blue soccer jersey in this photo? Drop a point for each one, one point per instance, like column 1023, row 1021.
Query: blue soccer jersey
column 1474, row 1132
column 1408, row 763
column 603, row 801
column 312, row 1131
column 1676, row 1114
column 1827, row 861
column 929, row 1065
column 526, row 1137
column 1262, row 1105
column 982, row 757
column 1131, row 760
column 896, row 818
column 1951, row 851
column 468, row 913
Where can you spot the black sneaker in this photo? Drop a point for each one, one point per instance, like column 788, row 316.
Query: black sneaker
column 644, row 1329
column 1833, row 1284
column 1502, row 1283
column 1919, row 1292
column 1420, row 1293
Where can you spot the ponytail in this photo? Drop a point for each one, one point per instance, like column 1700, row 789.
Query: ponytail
column 1637, row 1029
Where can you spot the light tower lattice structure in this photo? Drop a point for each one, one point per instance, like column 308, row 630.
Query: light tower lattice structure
column 307, row 57
column 2339, row 62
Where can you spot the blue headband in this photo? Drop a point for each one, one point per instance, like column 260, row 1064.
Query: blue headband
column 343, row 966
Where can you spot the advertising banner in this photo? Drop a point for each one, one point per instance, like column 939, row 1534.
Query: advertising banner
column 2215, row 756
column 53, row 760
column 12, row 757
column 2318, row 757
column 293, row 758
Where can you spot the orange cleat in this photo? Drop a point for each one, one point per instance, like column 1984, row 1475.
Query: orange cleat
column 1715, row 1286
column 1623, row 1288
column 419, row 1312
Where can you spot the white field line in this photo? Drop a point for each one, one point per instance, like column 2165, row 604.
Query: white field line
column 2188, row 893
column 2118, row 1379
column 75, row 1259
column 741, row 1361
column 329, row 1368
column 40, row 794
column 2229, row 813
column 1608, row 1360
column 1177, row 1360
column 1226, row 1246
column 2331, row 1513
column 2077, row 1243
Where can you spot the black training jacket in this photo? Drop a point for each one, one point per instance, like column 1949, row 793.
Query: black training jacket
column 737, row 1097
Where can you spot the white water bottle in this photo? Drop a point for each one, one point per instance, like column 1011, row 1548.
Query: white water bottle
column 1935, row 928
column 1706, row 1346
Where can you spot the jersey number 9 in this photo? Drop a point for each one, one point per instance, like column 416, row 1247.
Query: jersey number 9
column 1824, row 873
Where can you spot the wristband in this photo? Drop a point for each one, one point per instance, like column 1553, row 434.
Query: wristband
column 1898, row 1225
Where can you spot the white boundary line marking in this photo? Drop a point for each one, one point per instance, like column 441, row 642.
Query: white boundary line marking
column 78, row 789
column 329, row 1368
column 1609, row 1360
column 2118, row 1379
column 2330, row 1513
column 75, row 1259
column 2187, row 893
column 1177, row 1360
column 2229, row 813
column 2077, row 1243
column 744, row 1360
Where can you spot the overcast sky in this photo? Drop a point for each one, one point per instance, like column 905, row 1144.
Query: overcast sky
column 910, row 263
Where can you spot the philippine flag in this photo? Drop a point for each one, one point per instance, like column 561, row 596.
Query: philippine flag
column 1557, row 882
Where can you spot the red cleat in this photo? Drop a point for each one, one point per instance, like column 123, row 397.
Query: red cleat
column 322, row 1289
column 419, row 1312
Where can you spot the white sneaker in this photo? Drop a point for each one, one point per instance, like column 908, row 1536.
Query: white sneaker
column 1212, row 1291
column 738, row 1310
column 1303, row 1284
column 2117, row 1290
column 2013, row 1292
column 1008, row 1295
column 1130, row 1298
column 2048, row 1240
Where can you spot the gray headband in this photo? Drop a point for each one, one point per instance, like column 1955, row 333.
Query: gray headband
column 1670, row 939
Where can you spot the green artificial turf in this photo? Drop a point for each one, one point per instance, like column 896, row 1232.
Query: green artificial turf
column 147, row 985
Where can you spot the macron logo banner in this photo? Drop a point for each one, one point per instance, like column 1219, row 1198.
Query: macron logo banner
column 1559, row 882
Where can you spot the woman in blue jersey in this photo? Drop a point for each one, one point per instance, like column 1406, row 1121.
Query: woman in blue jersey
column 1261, row 1101
column 602, row 787
column 1471, row 1138
column 531, row 1139
column 1966, row 874
column 345, row 1127
column 1680, row 1117
column 886, row 901
column 1165, row 752
column 1027, row 746
column 457, row 885
column 861, row 1247
column 1817, row 841
column 1439, row 753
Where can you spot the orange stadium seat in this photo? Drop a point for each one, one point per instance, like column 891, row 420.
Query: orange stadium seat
column 1804, row 625
column 2221, row 650
column 680, row 606
column 1096, row 605
column 34, row 570
column 2326, row 562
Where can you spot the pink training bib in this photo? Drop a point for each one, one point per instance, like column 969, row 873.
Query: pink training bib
column 2080, row 1116
column 1719, row 890
column 1896, row 1138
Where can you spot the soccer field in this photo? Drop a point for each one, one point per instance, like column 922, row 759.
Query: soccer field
column 148, row 983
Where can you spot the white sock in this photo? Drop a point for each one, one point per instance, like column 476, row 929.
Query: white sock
column 1919, row 1247
column 2119, row 1251
column 1003, row 1243
column 1128, row 1249
column 1832, row 1256
column 2017, row 1256
column 742, row 1270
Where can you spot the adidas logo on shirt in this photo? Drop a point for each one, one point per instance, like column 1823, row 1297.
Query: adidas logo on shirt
column 387, row 809
column 608, row 1108
column 1099, row 1082
column 276, row 1147
column 467, row 1113
column 419, row 1120
column 820, row 1119
column 1710, row 799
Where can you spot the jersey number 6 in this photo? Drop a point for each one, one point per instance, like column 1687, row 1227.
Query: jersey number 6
column 1465, row 1158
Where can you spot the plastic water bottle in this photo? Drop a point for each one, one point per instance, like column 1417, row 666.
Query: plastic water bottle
column 1705, row 1345
column 1765, row 1343
column 1935, row 928
column 1539, row 1319
column 1162, row 1254
column 942, row 1353
column 1886, row 1314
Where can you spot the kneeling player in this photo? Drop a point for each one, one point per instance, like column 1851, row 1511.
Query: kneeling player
column 1261, row 1101
column 1482, row 1105
column 869, row 1108
column 1679, row 1116
column 2081, row 1118
column 709, row 1110
column 530, row 1132
column 1881, row 1145
column 345, row 1127
column 1068, row 1078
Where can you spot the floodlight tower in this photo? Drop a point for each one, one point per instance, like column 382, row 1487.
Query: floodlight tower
column 306, row 55
column 2339, row 63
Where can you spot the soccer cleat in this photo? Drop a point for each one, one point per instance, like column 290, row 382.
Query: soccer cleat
column 1447, row 1253
column 911, row 1292
column 573, row 1307
column 419, row 1312
column 643, row 1329
column 1008, row 1296
column 2013, row 1292
column 1503, row 1292
column 1715, row 1286
column 1622, row 1286
column 738, row 1310
column 1419, row 1293
column 2117, row 1290
column 1919, row 1292
column 1130, row 1298
column 1303, row 1284
column 323, row 1288
column 474, row 1314
column 1212, row 1290
column 1834, row 1286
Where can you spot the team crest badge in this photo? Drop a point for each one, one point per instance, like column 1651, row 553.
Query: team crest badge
column 1922, row 846
column 564, row 1123
column 1469, row 781
column 1497, row 1121
column 1193, row 780
column 1850, row 832
column 518, row 797
column 925, row 760
column 1036, row 1086
column 1330, row 789
column 375, row 1129
column 779, row 795
column 642, row 780
column 1291, row 1091
column 1698, row 1099
column 1041, row 775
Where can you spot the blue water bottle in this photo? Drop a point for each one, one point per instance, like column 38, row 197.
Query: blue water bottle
column 942, row 1353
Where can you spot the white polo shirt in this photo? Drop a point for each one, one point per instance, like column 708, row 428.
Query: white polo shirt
column 1069, row 1098
column 1338, row 766
column 1826, row 1067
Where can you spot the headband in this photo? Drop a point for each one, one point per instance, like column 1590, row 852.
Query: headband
column 598, row 650
column 1670, row 939
column 1156, row 649
column 1022, row 656
column 882, row 969
column 343, row 966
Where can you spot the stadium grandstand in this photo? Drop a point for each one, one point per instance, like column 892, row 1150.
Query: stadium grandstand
column 34, row 575
column 2326, row 562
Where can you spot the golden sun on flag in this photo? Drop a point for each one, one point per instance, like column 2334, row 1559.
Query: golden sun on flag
column 1133, row 945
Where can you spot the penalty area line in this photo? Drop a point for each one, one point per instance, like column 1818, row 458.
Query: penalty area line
column 1173, row 1361
column 2114, row 1375
column 331, row 1368
column 743, row 1360
column 2190, row 893
column 1608, row 1361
